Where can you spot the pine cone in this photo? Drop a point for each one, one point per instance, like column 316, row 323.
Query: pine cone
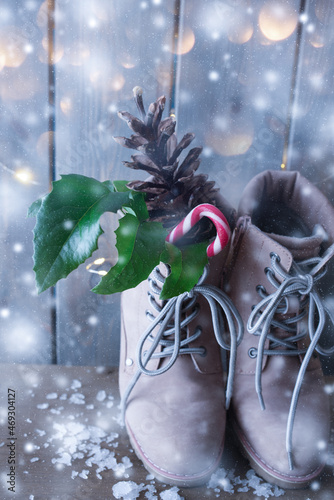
column 173, row 189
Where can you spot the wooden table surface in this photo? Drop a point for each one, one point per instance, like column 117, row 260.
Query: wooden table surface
column 68, row 444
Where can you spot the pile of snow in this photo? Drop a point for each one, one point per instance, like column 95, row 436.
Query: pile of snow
column 74, row 441
column 224, row 480
column 81, row 441
column 221, row 480
column 129, row 490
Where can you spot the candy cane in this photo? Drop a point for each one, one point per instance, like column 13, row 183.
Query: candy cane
column 215, row 215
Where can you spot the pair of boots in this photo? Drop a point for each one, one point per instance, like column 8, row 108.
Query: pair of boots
column 257, row 301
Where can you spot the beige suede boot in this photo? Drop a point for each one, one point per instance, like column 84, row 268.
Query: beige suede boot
column 279, row 409
column 171, row 377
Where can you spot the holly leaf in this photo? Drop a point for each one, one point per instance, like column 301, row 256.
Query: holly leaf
column 187, row 265
column 121, row 186
column 110, row 185
column 34, row 207
column 67, row 226
column 139, row 245
column 137, row 205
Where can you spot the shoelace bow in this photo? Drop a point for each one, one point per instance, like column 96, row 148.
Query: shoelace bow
column 172, row 321
column 298, row 284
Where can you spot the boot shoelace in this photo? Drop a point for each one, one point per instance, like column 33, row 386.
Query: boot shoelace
column 298, row 284
column 172, row 320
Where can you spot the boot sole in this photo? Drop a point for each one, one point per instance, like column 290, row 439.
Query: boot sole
column 270, row 475
column 168, row 477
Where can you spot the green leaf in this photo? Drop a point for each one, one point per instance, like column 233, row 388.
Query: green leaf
column 137, row 205
column 139, row 245
column 110, row 186
column 67, row 227
column 34, row 207
column 121, row 186
column 187, row 265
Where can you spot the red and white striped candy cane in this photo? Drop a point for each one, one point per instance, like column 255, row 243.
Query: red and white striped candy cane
column 215, row 215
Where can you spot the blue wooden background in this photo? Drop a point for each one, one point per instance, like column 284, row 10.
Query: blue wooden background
column 252, row 79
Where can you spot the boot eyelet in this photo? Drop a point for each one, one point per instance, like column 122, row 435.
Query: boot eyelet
column 260, row 288
column 252, row 352
column 204, row 353
column 274, row 255
column 149, row 315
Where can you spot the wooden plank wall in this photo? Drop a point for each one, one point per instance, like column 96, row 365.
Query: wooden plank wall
column 253, row 80
column 25, row 319
column 109, row 47
column 241, row 66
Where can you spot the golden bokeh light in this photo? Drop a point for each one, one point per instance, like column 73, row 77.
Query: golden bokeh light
column 43, row 15
column 163, row 76
column 95, row 76
column 231, row 137
column 97, row 262
column 117, row 82
column 45, row 43
column 2, row 61
column 44, row 142
column 241, row 31
column 128, row 65
column 50, row 54
column 185, row 42
column 104, row 11
column 277, row 20
column 324, row 11
column 231, row 144
column 24, row 175
column 127, row 60
column 66, row 105
column 317, row 40
column 12, row 47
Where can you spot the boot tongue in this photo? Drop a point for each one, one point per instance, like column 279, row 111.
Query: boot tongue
column 300, row 248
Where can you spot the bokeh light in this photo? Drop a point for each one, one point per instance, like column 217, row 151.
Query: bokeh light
column 43, row 144
column 116, row 82
column 277, row 20
column 12, row 47
column 231, row 136
column 241, row 30
column 24, row 175
column 50, row 54
column 127, row 60
column 43, row 15
column 223, row 19
column 24, row 336
column 103, row 11
column 2, row 60
column 324, row 11
column 317, row 39
column 185, row 42
column 66, row 105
